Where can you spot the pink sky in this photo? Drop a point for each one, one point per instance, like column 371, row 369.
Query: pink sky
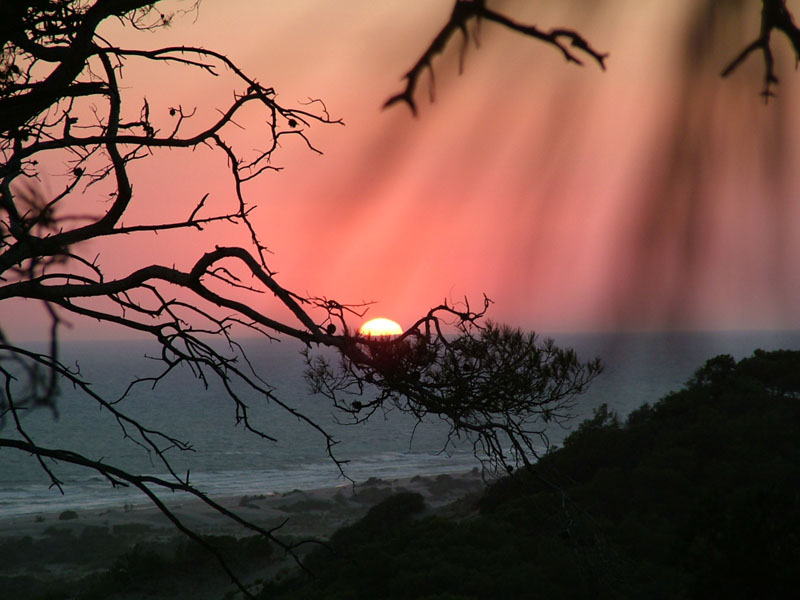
column 575, row 199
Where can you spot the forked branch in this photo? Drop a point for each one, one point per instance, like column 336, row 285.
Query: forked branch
column 570, row 43
column 774, row 16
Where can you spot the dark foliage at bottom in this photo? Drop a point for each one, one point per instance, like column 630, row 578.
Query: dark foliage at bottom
column 697, row 496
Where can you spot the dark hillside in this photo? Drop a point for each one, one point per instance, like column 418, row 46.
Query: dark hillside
column 697, row 496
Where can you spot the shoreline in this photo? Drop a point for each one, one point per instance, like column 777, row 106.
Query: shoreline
column 48, row 553
column 437, row 489
column 21, row 500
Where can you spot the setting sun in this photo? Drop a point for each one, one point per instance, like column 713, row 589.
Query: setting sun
column 380, row 327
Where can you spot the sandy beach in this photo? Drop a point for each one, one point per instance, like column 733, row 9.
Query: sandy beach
column 39, row 553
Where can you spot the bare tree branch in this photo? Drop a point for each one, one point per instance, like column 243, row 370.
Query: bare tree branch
column 774, row 16
column 61, row 99
column 464, row 11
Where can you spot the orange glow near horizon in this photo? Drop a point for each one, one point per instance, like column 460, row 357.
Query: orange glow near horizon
column 380, row 327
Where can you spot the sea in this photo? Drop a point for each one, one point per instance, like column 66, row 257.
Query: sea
column 227, row 460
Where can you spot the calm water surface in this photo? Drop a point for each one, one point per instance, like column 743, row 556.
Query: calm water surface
column 227, row 460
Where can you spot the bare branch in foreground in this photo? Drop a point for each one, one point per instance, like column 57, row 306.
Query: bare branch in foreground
column 570, row 43
column 63, row 102
column 774, row 16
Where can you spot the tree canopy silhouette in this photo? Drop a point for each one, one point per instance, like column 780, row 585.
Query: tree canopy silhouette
column 691, row 497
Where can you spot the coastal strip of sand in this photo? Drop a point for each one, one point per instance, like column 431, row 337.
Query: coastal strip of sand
column 40, row 552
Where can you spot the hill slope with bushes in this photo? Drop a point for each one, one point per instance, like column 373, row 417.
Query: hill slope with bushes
column 697, row 496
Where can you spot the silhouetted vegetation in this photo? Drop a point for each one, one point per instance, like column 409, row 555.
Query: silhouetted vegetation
column 63, row 102
column 160, row 567
column 695, row 496
column 64, row 107
column 153, row 568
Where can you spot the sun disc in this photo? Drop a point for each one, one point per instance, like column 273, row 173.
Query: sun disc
column 380, row 327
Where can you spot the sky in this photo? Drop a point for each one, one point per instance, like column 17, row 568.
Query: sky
column 653, row 195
